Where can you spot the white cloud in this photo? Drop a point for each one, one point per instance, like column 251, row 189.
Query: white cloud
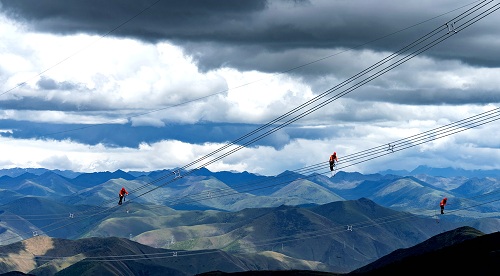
column 89, row 79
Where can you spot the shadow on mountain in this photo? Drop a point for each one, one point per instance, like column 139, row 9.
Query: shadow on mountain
column 462, row 251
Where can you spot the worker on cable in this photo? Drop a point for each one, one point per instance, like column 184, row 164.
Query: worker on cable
column 333, row 159
column 442, row 204
column 122, row 194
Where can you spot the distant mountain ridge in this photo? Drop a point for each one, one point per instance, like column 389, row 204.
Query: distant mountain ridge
column 246, row 176
column 443, row 172
column 231, row 191
column 295, row 221
column 15, row 172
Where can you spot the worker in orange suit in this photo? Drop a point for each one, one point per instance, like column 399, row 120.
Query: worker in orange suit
column 442, row 204
column 122, row 194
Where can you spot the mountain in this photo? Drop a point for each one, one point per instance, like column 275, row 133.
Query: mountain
column 464, row 250
column 6, row 196
column 478, row 186
column 14, row 228
column 414, row 195
column 446, row 183
column 59, row 185
column 86, row 180
column 342, row 176
column 358, row 231
column 444, row 172
column 106, row 194
column 117, row 256
column 48, row 184
column 45, row 216
column 204, row 190
column 15, row 172
column 238, row 181
column 394, row 193
column 338, row 236
column 377, row 224
column 306, row 191
column 286, row 222
column 108, row 256
column 8, row 182
column 203, row 193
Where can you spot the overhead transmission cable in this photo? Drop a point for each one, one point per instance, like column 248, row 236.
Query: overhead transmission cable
column 82, row 49
column 389, row 67
column 236, row 87
column 263, row 242
column 342, row 228
column 445, row 27
column 382, row 71
column 366, row 155
column 437, row 133
column 456, row 19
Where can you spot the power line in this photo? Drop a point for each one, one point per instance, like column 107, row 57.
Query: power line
column 225, row 90
column 266, row 242
column 389, row 67
column 248, row 137
column 82, row 49
column 356, row 158
column 365, row 155
column 443, row 28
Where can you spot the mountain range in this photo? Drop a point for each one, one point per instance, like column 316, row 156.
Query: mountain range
column 464, row 250
column 286, row 222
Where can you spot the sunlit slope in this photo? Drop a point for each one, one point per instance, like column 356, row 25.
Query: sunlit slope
column 359, row 230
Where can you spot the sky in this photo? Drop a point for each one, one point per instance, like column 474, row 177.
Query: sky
column 93, row 86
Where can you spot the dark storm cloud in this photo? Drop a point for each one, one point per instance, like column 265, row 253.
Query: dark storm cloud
column 148, row 20
column 214, row 32
column 430, row 96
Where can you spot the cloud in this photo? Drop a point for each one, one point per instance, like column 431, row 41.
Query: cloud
column 271, row 25
column 144, row 87
column 49, row 84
